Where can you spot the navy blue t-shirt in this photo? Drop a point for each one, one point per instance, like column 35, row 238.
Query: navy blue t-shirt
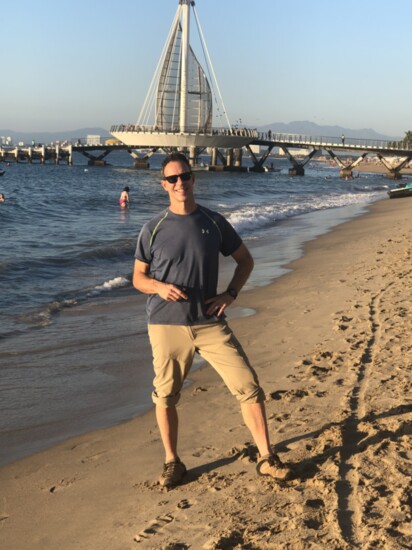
column 184, row 250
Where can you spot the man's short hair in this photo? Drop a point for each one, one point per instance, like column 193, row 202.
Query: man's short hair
column 175, row 157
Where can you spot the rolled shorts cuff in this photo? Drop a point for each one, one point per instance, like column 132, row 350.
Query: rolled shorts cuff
column 257, row 396
column 169, row 401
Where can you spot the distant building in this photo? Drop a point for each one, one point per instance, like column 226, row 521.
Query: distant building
column 6, row 140
column 93, row 140
column 255, row 149
column 296, row 152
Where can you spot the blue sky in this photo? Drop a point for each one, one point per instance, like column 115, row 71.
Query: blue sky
column 68, row 65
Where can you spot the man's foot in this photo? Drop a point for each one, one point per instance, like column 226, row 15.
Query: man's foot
column 173, row 473
column 272, row 466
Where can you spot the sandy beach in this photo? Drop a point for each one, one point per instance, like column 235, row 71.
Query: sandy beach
column 331, row 342
column 367, row 165
column 377, row 168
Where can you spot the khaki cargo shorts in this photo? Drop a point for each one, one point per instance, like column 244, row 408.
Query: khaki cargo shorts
column 174, row 348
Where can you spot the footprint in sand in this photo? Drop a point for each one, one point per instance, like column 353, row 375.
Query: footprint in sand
column 216, row 482
column 199, row 389
column 183, row 504
column 62, row 484
column 288, row 395
column 277, row 395
column 154, row 526
column 203, row 450
column 279, row 417
column 93, row 457
column 227, row 539
column 314, row 513
column 320, row 372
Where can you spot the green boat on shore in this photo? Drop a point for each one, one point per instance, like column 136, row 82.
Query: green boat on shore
column 399, row 192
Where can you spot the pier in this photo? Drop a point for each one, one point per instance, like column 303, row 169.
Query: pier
column 226, row 148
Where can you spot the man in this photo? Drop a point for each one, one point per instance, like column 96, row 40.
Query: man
column 176, row 264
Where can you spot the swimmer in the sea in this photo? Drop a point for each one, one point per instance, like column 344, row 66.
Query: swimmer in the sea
column 124, row 198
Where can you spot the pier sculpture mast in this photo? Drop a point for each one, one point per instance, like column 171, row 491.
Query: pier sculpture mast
column 185, row 61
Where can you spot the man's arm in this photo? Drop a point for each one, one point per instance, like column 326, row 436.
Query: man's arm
column 146, row 284
column 244, row 267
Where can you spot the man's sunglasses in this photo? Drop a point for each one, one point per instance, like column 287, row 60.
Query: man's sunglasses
column 173, row 179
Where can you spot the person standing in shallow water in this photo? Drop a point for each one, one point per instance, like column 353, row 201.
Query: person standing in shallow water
column 176, row 264
column 124, row 198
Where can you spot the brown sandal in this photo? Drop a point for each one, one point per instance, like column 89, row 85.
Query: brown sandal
column 272, row 466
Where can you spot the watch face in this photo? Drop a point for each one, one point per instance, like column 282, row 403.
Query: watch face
column 232, row 292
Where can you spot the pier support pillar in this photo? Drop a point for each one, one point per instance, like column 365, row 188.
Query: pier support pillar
column 141, row 163
column 297, row 170
column 96, row 162
column 394, row 175
column 258, row 163
column 192, row 155
column 237, row 157
column 346, row 173
column 297, row 167
column 213, row 157
column 394, row 170
column 229, row 157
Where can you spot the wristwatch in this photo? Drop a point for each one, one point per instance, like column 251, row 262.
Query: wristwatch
column 232, row 292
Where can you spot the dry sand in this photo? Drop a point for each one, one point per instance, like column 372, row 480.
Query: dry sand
column 331, row 342
column 377, row 168
column 374, row 167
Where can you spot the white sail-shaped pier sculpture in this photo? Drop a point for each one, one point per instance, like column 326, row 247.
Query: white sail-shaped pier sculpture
column 178, row 110
column 184, row 96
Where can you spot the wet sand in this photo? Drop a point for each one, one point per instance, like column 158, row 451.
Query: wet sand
column 331, row 342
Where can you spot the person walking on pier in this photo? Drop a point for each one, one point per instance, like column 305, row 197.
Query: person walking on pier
column 343, row 139
column 176, row 264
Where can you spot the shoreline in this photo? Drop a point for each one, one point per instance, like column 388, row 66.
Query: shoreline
column 325, row 338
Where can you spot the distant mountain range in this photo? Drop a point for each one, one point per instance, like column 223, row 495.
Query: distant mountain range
column 297, row 127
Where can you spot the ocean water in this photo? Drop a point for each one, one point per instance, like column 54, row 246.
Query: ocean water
column 74, row 354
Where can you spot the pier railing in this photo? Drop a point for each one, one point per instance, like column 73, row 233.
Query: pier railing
column 299, row 140
column 234, row 131
column 335, row 142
